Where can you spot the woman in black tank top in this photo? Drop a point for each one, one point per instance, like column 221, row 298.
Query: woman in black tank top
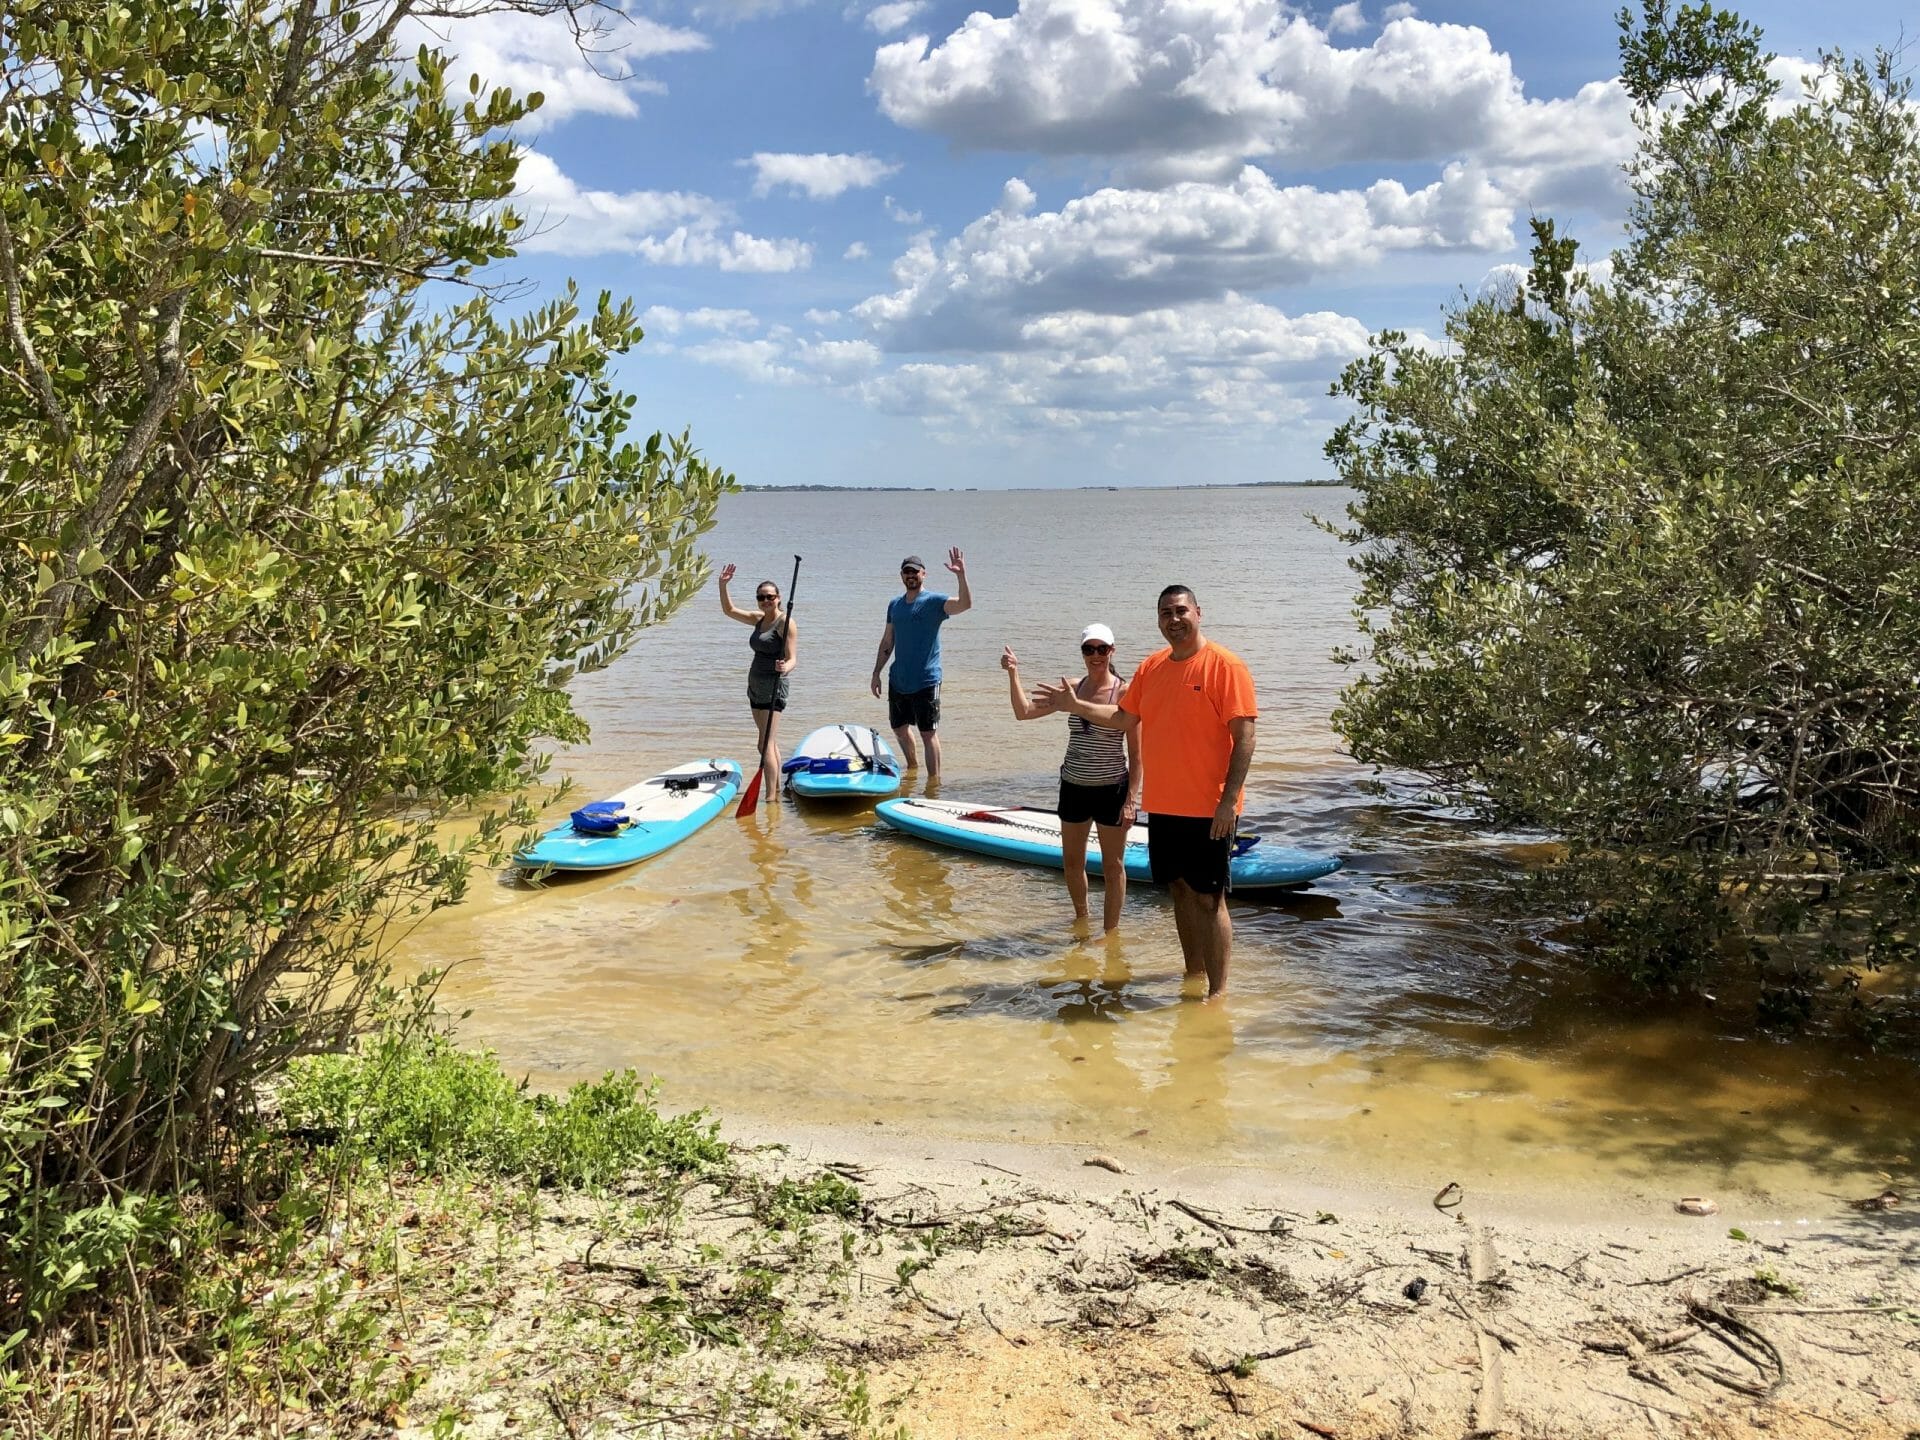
column 1099, row 779
column 775, row 644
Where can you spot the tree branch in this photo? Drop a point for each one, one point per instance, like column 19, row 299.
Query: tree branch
column 17, row 327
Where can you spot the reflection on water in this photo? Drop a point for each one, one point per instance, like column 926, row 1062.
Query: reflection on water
column 1396, row 1021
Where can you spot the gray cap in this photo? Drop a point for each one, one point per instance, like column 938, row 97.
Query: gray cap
column 913, row 562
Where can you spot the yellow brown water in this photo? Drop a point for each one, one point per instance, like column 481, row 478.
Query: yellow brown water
column 1398, row 1021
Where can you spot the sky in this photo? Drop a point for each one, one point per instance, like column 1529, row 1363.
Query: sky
column 1055, row 242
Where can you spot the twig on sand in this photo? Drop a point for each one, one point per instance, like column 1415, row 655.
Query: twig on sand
column 1245, row 1362
column 1710, row 1317
column 914, row 1291
column 988, row 1164
column 1746, row 1342
column 1730, row 1380
column 560, row 1411
column 1668, row 1279
column 1671, row 1340
column 1227, row 1392
column 1326, row 1430
column 1817, row 1309
column 1010, row 1339
column 1219, row 1227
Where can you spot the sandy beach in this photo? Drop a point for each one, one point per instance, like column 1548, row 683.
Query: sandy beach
column 1035, row 1291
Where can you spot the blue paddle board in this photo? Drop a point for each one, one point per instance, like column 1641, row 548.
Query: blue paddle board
column 654, row 815
column 841, row 762
column 1033, row 836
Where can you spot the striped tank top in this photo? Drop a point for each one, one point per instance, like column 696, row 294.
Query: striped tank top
column 1095, row 754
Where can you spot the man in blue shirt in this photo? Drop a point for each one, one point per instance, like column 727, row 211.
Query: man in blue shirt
column 912, row 638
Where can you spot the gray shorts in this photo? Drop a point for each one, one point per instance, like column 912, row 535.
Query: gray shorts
column 767, row 692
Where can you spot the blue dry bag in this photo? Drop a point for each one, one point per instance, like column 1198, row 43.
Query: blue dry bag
column 600, row 817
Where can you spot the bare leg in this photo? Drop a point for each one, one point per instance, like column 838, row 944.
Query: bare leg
column 770, row 748
column 1073, row 858
column 1186, row 920
column 1113, row 869
column 903, row 737
column 1206, row 934
column 932, row 742
column 762, row 725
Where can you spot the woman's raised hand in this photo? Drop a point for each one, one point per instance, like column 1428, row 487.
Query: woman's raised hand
column 726, row 573
column 1008, row 660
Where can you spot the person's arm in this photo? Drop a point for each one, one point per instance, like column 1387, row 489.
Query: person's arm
column 727, row 607
column 880, row 659
column 1226, row 819
column 784, row 665
column 957, row 563
column 1065, row 696
column 1130, row 807
column 1023, row 708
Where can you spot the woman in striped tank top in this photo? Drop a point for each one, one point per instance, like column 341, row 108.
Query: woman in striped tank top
column 1099, row 779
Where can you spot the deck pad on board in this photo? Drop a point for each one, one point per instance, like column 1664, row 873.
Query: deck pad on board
column 845, row 761
column 664, row 810
column 1033, row 836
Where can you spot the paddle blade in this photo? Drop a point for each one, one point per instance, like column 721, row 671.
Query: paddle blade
column 750, row 801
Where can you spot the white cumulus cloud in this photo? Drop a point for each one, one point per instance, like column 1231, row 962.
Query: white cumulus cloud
column 593, row 70
column 1124, row 251
column 1229, row 363
column 667, row 227
column 668, row 320
column 1186, row 90
column 818, row 177
column 885, row 19
column 1348, row 19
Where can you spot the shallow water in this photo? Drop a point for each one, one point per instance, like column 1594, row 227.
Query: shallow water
column 1396, row 1021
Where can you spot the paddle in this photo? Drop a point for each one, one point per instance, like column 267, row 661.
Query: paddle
column 750, row 801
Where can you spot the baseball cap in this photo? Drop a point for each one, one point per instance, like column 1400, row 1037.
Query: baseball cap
column 913, row 562
column 1098, row 632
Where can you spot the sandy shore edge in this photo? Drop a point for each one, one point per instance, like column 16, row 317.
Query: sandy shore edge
column 1127, row 1299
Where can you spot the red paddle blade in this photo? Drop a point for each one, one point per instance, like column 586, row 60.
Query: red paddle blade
column 750, row 801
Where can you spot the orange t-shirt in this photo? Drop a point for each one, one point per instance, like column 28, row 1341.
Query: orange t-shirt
column 1184, row 707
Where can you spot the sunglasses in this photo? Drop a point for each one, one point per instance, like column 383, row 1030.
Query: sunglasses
column 1091, row 649
column 764, row 598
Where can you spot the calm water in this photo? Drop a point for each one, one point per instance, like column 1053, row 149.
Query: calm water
column 1396, row 1022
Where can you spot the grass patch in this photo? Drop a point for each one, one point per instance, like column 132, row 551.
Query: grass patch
column 434, row 1246
column 422, row 1102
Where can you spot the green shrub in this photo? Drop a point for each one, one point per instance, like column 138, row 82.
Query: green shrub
column 418, row 1100
column 299, row 554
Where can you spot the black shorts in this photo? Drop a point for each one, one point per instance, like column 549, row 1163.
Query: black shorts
column 1179, row 848
column 767, row 692
column 918, row 708
column 1098, row 803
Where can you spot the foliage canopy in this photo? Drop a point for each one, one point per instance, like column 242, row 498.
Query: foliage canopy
column 304, row 535
column 1639, row 551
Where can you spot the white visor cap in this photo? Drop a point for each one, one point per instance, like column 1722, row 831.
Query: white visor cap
column 1096, row 632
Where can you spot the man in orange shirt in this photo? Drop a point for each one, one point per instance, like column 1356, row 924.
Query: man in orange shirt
column 1194, row 707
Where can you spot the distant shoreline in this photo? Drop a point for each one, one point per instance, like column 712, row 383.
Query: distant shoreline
column 1030, row 489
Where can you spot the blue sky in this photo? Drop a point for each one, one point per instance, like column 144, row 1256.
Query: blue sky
column 1055, row 242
